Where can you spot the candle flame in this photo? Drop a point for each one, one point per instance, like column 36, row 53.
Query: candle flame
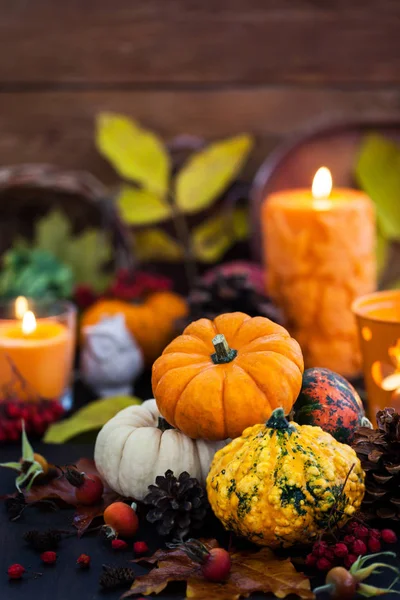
column 28, row 323
column 21, row 307
column 322, row 184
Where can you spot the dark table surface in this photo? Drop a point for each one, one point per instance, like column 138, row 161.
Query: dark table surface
column 64, row 581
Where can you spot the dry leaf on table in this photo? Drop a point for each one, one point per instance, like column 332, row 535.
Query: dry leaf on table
column 61, row 489
column 251, row 572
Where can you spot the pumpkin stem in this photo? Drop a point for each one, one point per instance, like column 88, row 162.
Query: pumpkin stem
column 223, row 354
column 278, row 421
column 163, row 425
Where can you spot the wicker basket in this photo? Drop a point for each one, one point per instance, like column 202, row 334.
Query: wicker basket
column 29, row 191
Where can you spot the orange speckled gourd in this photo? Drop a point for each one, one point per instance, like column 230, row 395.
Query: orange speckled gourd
column 222, row 376
column 283, row 483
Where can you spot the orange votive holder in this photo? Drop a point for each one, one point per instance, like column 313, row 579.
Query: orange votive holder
column 39, row 347
column 378, row 319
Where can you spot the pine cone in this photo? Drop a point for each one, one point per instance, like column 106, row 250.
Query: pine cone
column 178, row 504
column 114, row 577
column 229, row 293
column 42, row 541
column 379, row 453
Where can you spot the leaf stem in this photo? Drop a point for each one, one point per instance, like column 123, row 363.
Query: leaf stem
column 183, row 233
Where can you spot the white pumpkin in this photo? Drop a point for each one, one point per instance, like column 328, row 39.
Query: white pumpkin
column 131, row 451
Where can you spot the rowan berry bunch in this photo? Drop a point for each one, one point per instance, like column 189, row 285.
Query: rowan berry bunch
column 36, row 415
column 356, row 540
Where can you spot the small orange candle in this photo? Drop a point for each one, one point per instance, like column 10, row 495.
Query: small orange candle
column 42, row 352
column 319, row 250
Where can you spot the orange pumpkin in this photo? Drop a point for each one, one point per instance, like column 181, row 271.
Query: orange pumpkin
column 222, row 376
column 151, row 323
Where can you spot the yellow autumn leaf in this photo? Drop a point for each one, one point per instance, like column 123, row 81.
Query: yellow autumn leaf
column 138, row 206
column 212, row 239
column 135, row 153
column 209, row 172
column 155, row 244
column 241, row 224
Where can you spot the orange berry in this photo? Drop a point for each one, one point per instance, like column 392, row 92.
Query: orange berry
column 42, row 462
column 122, row 518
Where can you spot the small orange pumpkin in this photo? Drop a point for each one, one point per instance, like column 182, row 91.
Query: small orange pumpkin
column 222, row 376
column 151, row 323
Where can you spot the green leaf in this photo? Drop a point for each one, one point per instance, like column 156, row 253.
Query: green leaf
column 135, row 153
column 89, row 418
column 53, row 233
column 155, row 244
column 209, row 172
column 141, row 206
column 11, row 465
column 87, row 254
column 27, row 450
column 378, row 174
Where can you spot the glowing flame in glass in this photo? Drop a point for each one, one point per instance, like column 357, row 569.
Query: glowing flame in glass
column 21, row 307
column 28, row 323
column 322, row 184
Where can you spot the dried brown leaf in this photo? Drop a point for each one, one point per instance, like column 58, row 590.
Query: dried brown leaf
column 59, row 489
column 251, row 572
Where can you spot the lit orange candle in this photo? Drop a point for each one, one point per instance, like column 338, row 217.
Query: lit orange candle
column 42, row 352
column 319, row 250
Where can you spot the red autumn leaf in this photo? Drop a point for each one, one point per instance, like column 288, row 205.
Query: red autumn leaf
column 251, row 572
column 59, row 489
column 85, row 515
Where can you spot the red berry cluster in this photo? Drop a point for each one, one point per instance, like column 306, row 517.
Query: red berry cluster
column 130, row 286
column 357, row 540
column 36, row 415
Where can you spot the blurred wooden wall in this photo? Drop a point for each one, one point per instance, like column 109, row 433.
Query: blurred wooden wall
column 206, row 67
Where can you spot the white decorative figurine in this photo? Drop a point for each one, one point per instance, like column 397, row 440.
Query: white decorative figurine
column 111, row 359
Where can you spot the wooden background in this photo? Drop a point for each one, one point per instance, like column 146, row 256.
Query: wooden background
column 207, row 67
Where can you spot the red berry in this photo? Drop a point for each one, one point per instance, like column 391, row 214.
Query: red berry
column 349, row 560
column 349, row 540
column 323, row 564
column 351, row 526
column 361, row 531
column 25, row 413
column 389, row 536
column 374, row 544
column 3, row 436
column 15, row 571
column 329, row 554
column 83, row 561
column 217, row 565
column 47, row 416
column 320, row 548
column 56, row 409
column 311, row 560
column 91, row 490
column 376, row 533
column 49, row 557
column 359, row 547
column 38, row 425
column 140, row 547
column 340, row 550
column 119, row 545
column 13, row 410
column 122, row 519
